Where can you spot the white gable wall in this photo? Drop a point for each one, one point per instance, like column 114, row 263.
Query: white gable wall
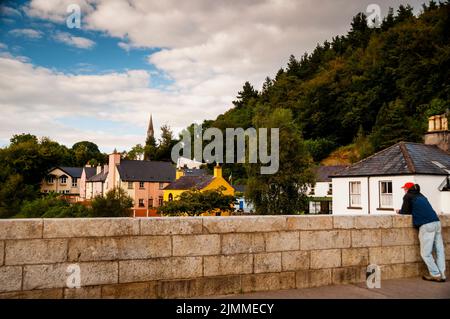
column 429, row 187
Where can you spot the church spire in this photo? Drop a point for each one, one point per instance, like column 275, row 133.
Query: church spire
column 150, row 131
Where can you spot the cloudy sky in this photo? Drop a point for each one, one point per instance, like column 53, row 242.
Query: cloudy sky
column 182, row 61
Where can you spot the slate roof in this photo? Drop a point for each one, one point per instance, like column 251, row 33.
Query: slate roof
column 189, row 182
column 146, row 171
column 101, row 177
column 90, row 171
column 323, row 173
column 239, row 188
column 403, row 158
column 195, row 172
column 74, row 172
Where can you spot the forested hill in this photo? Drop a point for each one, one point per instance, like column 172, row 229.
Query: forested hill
column 369, row 88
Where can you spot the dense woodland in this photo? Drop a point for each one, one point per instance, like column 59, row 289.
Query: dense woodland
column 350, row 97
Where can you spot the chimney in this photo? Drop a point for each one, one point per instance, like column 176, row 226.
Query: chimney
column 114, row 160
column 179, row 173
column 438, row 133
column 217, row 171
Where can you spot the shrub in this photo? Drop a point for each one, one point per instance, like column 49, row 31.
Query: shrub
column 116, row 203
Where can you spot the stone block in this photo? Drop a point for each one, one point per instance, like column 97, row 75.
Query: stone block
column 20, row 228
column 267, row 262
column 309, row 222
column 221, row 285
column 412, row 254
column 366, row 238
column 172, row 226
column 343, row 222
column 445, row 220
column 446, row 235
column 10, row 278
column 447, row 251
column 294, row 260
column 329, row 258
column 34, row 294
column 140, row 290
column 243, row 224
column 399, row 236
column 83, row 293
column 90, row 227
column 112, row 248
column 282, row 241
column 160, row 268
column 228, row 265
column 348, row 275
column 319, row 277
column 242, row 243
column 376, row 221
column 2, row 252
column 355, row 257
column 325, row 239
column 196, row 245
column 266, row 282
column 56, row 275
column 35, row 251
column 386, row 255
column 400, row 221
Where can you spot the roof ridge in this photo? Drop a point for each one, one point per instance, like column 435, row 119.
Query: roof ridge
column 408, row 159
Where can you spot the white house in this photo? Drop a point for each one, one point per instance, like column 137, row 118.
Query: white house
column 320, row 194
column 373, row 185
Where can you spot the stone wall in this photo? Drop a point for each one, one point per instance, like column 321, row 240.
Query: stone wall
column 200, row 256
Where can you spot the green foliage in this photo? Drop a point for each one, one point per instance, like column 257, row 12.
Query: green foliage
column 136, row 152
column 87, row 152
column 162, row 150
column 52, row 206
column 116, row 203
column 195, row 202
column 284, row 191
column 401, row 70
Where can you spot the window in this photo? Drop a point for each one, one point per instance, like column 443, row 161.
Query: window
column 385, row 194
column 50, row 179
column 313, row 190
column 330, row 189
column 355, row 194
column 74, row 182
column 170, row 197
column 141, row 202
column 141, row 185
column 150, row 202
column 160, row 200
column 161, row 185
column 314, row 207
column 63, row 180
column 130, row 185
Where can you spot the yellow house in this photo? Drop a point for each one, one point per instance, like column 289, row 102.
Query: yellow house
column 188, row 180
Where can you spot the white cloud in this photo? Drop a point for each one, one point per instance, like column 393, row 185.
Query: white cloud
column 210, row 48
column 8, row 11
column 29, row 33
column 3, row 46
column 78, row 42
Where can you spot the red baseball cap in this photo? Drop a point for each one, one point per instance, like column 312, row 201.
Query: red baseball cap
column 408, row 185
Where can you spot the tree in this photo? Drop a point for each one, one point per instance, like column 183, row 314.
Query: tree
column 195, row 202
column 52, row 206
column 86, row 151
column 166, row 142
column 136, row 152
column 116, row 203
column 284, row 191
column 244, row 96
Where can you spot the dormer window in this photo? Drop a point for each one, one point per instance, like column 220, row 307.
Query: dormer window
column 50, row 179
column 63, row 180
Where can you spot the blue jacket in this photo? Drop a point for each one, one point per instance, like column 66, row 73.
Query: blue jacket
column 417, row 205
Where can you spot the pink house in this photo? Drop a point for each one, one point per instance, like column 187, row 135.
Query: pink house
column 143, row 181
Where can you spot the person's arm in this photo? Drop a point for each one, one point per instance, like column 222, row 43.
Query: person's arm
column 406, row 206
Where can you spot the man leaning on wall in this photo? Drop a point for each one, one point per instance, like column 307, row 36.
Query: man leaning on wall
column 430, row 232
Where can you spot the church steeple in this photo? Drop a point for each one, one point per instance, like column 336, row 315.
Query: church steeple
column 150, row 131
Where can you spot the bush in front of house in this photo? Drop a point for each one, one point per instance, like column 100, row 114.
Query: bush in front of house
column 52, row 206
column 116, row 203
column 195, row 202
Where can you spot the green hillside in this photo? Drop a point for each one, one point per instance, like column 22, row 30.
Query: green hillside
column 363, row 91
